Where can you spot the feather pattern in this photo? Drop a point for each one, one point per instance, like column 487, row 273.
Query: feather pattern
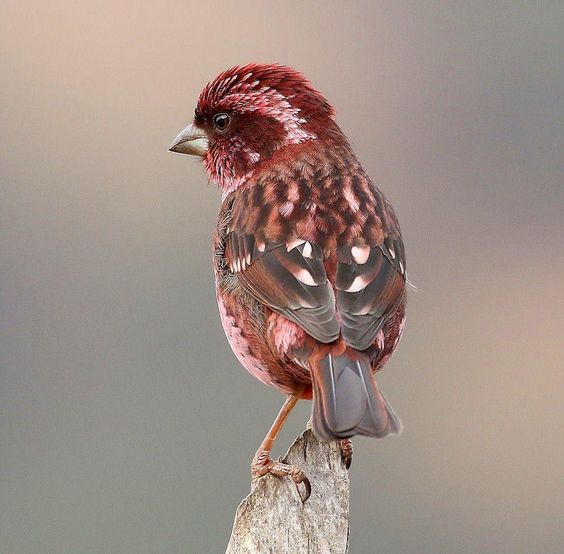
column 287, row 282
column 336, row 264
column 309, row 261
column 368, row 293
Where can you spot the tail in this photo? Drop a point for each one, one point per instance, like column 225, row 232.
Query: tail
column 347, row 402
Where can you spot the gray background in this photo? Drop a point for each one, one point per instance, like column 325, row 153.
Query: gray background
column 126, row 424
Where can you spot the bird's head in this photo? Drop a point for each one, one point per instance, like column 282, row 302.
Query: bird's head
column 247, row 114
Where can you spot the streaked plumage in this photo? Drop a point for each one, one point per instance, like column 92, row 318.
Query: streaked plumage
column 309, row 262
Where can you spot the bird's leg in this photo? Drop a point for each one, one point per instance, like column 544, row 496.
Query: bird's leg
column 346, row 447
column 262, row 464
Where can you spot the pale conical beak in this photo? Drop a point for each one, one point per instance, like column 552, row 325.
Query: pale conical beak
column 191, row 140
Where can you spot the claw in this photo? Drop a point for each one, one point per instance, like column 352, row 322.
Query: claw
column 307, row 486
column 262, row 465
column 346, row 447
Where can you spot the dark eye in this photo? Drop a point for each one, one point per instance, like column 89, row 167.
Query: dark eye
column 221, row 121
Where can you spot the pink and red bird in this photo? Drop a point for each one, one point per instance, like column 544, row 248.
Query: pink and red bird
column 309, row 261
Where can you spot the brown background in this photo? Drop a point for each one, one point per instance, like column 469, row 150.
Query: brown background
column 126, row 424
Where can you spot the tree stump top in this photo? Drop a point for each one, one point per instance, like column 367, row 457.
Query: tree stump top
column 273, row 519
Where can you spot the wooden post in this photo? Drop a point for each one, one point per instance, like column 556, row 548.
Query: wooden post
column 273, row 519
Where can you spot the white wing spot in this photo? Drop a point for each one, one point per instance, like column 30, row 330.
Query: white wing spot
column 360, row 254
column 294, row 244
column 357, row 285
column 305, row 277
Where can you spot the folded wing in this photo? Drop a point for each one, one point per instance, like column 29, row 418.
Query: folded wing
column 288, row 278
column 370, row 285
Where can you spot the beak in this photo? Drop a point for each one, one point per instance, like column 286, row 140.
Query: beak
column 191, row 140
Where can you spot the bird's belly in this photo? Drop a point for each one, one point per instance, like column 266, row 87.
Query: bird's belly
column 246, row 325
column 234, row 328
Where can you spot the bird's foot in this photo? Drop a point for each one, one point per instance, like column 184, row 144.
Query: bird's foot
column 346, row 447
column 262, row 465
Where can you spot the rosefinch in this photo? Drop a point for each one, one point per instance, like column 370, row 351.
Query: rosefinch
column 308, row 256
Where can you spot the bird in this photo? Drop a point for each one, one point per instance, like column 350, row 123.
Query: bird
column 309, row 262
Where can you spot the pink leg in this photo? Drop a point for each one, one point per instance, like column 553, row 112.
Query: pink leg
column 262, row 464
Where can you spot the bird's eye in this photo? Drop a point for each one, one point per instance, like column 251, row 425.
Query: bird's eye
column 221, row 121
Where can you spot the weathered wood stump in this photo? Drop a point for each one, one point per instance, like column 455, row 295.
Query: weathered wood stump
column 274, row 520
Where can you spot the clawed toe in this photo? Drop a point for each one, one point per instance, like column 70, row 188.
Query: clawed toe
column 262, row 465
column 346, row 447
column 307, row 489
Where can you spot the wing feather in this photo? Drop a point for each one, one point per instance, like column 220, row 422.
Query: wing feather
column 369, row 292
column 288, row 282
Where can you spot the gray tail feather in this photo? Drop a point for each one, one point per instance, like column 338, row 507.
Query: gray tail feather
column 347, row 401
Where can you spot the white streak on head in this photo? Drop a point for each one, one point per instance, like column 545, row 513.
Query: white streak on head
column 251, row 97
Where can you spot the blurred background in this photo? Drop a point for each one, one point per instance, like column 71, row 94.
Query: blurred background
column 126, row 424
